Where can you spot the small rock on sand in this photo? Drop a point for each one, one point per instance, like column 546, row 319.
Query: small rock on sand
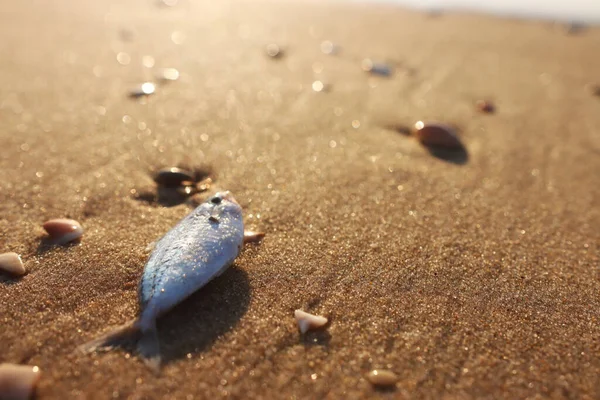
column 63, row 231
column 11, row 263
column 145, row 89
column 253, row 237
column 382, row 377
column 17, row 382
column 376, row 68
column 168, row 74
column 308, row 321
column 173, row 177
column 434, row 134
column 273, row 50
column 485, row 106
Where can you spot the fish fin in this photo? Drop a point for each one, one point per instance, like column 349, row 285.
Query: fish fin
column 112, row 338
column 148, row 348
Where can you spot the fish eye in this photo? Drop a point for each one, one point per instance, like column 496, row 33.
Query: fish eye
column 216, row 200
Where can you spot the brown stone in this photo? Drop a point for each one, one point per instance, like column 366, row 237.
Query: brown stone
column 435, row 134
column 253, row 237
column 62, row 230
column 382, row 377
column 485, row 106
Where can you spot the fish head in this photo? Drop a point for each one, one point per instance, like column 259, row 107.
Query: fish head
column 224, row 203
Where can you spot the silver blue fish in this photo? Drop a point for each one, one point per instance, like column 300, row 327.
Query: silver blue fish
column 195, row 251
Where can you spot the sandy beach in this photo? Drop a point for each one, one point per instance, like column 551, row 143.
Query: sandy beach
column 471, row 276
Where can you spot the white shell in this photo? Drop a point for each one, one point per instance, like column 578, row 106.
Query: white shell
column 308, row 321
column 11, row 263
column 18, row 381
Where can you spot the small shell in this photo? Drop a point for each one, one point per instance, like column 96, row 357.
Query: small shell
column 433, row 134
column 319, row 86
column 63, row 231
column 17, row 382
column 11, row 263
column 273, row 50
column 382, row 377
column 173, row 177
column 168, row 74
column 308, row 321
column 145, row 89
column 376, row 68
column 253, row 237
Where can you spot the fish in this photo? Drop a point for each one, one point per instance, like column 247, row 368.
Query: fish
column 194, row 252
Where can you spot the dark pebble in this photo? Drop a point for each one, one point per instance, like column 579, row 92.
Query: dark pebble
column 485, row 106
column 434, row 134
column 173, row 177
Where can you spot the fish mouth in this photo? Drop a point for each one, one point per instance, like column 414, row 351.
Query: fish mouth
column 229, row 197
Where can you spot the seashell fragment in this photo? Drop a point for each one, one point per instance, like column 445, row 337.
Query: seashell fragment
column 433, row 134
column 308, row 321
column 145, row 89
column 253, row 237
column 382, row 377
column 17, row 382
column 62, row 230
column 168, row 74
column 11, row 263
column 376, row 68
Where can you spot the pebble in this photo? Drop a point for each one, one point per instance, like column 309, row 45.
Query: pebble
column 434, row 134
column 204, row 184
column 253, row 237
column 327, row 47
column 382, row 377
column 11, row 263
column 145, row 89
column 308, row 321
column 376, row 68
column 168, row 74
column 63, row 231
column 173, row 177
column 17, row 382
column 319, row 86
column 273, row 50
column 485, row 106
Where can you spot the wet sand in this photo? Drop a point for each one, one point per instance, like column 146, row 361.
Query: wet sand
column 469, row 277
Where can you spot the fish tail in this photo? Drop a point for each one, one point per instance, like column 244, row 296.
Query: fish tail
column 112, row 338
column 148, row 348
